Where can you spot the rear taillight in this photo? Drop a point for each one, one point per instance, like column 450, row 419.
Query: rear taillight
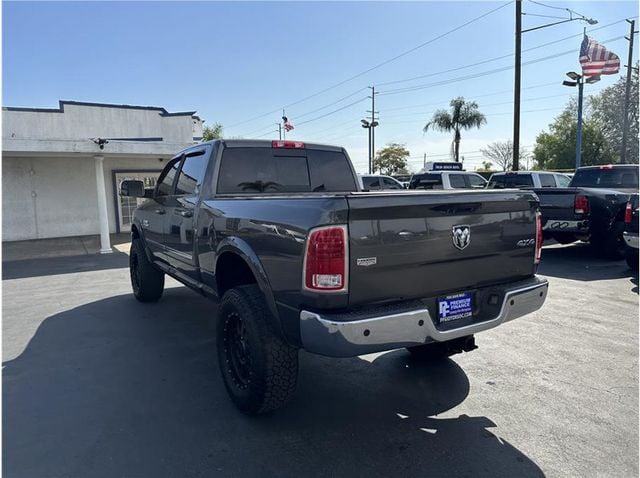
column 539, row 238
column 287, row 144
column 628, row 213
column 581, row 204
column 325, row 260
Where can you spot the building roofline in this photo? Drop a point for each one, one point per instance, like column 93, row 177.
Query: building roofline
column 62, row 103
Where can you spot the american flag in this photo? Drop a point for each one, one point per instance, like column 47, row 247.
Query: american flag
column 287, row 124
column 596, row 60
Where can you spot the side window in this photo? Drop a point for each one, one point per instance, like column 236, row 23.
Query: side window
column 457, row 181
column 562, row 180
column 390, row 184
column 426, row 181
column 371, row 182
column 496, row 182
column 192, row 174
column 165, row 181
column 476, row 182
column 547, row 181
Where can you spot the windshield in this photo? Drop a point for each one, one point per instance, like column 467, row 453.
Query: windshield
column 606, row 178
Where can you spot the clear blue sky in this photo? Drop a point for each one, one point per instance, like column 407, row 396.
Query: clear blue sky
column 235, row 61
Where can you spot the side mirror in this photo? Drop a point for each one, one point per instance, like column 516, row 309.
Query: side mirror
column 132, row 188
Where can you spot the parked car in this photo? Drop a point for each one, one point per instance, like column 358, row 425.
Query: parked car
column 442, row 175
column 375, row 182
column 300, row 257
column 592, row 207
column 630, row 233
column 528, row 179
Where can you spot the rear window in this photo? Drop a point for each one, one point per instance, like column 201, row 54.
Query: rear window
column 426, row 181
column 510, row 181
column 547, row 181
column 370, row 182
column 267, row 170
column 606, row 178
column 457, row 181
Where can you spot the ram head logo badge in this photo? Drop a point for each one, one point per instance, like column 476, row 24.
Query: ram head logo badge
column 461, row 236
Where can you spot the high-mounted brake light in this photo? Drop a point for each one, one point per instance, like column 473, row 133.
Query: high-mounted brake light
column 287, row 144
column 325, row 259
column 628, row 213
column 581, row 204
column 606, row 166
column 539, row 238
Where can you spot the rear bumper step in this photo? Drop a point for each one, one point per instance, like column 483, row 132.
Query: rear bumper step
column 322, row 335
column 631, row 239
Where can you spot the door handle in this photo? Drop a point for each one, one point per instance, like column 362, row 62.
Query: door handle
column 159, row 211
column 186, row 213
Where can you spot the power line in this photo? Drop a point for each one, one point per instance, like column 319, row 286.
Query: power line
column 386, row 62
column 489, row 60
column 484, row 105
column 330, row 104
column 334, row 111
column 489, row 114
column 483, row 73
column 558, row 8
column 475, row 96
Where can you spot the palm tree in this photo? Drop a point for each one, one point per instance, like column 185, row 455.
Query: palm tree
column 463, row 115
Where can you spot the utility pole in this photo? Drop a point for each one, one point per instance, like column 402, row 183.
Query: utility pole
column 579, row 129
column 280, row 131
column 372, row 124
column 424, row 161
column 516, row 88
column 625, row 123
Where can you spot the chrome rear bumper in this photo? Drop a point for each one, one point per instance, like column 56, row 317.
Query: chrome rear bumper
column 332, row 338
column 631, row 239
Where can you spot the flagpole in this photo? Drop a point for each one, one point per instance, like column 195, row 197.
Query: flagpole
column 284, row 130
column 625, row 118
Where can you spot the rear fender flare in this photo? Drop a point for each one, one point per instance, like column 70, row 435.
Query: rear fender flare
column 240, row 248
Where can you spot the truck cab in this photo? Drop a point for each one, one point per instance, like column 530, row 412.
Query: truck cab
column 443, row 175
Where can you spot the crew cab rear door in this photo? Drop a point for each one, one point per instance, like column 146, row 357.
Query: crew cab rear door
column 180, row 222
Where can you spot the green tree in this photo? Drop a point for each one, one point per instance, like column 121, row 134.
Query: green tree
column 463, row 115
column 212, row 132
column 392, row 159
column 556, row 149
column 607, row 110
column 486, row 166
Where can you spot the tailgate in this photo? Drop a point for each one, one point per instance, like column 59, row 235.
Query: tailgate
column 402, row 244
column 557, row 204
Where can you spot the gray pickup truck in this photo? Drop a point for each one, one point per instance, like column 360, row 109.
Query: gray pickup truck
column 300, row 257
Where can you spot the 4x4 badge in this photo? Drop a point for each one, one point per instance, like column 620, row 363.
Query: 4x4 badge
column 461, row 236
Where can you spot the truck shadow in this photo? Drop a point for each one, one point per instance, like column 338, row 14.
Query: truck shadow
column 577, row 262
column 116, row 388
column 48, row 266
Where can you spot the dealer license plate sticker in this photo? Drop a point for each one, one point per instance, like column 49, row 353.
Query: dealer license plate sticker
column 454, row 307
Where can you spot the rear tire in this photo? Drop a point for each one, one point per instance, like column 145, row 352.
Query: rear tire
column 147, row 282
column 609, row 245
column 259, row 369
column 631, row 256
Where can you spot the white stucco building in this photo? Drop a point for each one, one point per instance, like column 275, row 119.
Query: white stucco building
column 57, row 181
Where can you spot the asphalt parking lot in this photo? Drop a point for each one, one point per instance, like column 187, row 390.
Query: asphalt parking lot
column 97, row 384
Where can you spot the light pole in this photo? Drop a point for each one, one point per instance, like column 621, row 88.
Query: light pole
column 579, row 80
column 518, row 56
column 369, row 125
